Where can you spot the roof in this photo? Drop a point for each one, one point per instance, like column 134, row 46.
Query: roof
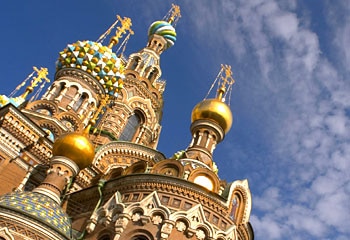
column 39, row 207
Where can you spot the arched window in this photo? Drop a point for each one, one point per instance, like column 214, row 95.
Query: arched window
column 140, row 238
column 135, row 63
column 71, row 92
column 80, row 101
column 235, row 206
column 152, row 74
column 105, row 237
column 60, row 88
column 131, row 127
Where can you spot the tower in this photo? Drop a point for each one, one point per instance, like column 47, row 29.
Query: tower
column 37, row 214
column 110, row 179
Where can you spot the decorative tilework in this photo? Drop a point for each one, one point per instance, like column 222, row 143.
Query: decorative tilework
column 97, row 60
column 39, row 207
column 165, row 30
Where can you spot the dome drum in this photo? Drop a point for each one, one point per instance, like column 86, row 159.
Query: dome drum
column 197, row 125
column 72, row 167
column 70, row 74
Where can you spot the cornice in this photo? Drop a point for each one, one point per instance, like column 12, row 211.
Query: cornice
column 162, row 183
column 81, row 75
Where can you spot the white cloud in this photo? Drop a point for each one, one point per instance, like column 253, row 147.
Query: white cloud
column 272, row 194
column 338, row 124
column 332, row 210
column 270, row 228
column 283, row 25
column 306, row 77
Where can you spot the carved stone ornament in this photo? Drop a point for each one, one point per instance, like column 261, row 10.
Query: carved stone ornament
column 156, row 219
column 200, row 234
column 180, row 226
column 166, row 230
column 136, row 216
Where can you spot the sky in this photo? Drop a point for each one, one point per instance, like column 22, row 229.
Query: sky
column 291, row 104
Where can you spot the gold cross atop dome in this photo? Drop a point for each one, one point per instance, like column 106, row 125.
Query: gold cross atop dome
column 217, row 109
column 226, row 80
column 125, row 27
column 41, row 75
column 173, row 15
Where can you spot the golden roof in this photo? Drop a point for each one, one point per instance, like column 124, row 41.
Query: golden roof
column 213, row 110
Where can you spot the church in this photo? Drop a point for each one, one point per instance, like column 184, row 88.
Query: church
column 81, row 161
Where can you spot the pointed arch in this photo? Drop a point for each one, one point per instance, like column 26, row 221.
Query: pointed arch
column 132, row 126
column 240, row 201
column 5, row 234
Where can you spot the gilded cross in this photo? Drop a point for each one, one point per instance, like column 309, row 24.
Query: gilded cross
column 125, row 27
column 175, row 13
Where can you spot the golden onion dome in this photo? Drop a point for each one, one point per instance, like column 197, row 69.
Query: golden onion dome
column 76, row 147
column 213, row 110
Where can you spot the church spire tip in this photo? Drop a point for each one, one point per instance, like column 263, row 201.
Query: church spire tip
column 173, row 15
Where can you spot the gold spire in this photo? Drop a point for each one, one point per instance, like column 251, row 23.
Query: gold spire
column 173, row 15
column 41, row 75
column 125, row 27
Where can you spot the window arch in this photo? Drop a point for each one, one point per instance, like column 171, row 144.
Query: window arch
column 105, row 237
column 132, row 127
column 80, row 101
column 152, row 74
column 72, row 91
column 60, row 87
column 140, row 234
column 235, row 207
column 140, row 237
column 135, row 62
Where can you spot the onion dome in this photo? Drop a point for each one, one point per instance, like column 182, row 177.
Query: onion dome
column 40, row 208
column 76, row 147
column 165, row 30
column 213, row 110
column 15, row 101
column 97, row 60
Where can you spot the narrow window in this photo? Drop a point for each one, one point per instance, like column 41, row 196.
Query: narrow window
column 80, row 101
column 131, row 127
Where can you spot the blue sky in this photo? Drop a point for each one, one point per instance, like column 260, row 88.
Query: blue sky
column 291, row 103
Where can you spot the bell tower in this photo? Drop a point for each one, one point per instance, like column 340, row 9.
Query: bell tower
column 136, row 115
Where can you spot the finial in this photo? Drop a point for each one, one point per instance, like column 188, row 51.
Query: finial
column 41, row 75
column 125, row 27
column 225, row 81
column 173, row 15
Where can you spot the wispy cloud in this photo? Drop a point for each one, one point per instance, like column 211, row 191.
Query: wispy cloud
column 306, row 75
